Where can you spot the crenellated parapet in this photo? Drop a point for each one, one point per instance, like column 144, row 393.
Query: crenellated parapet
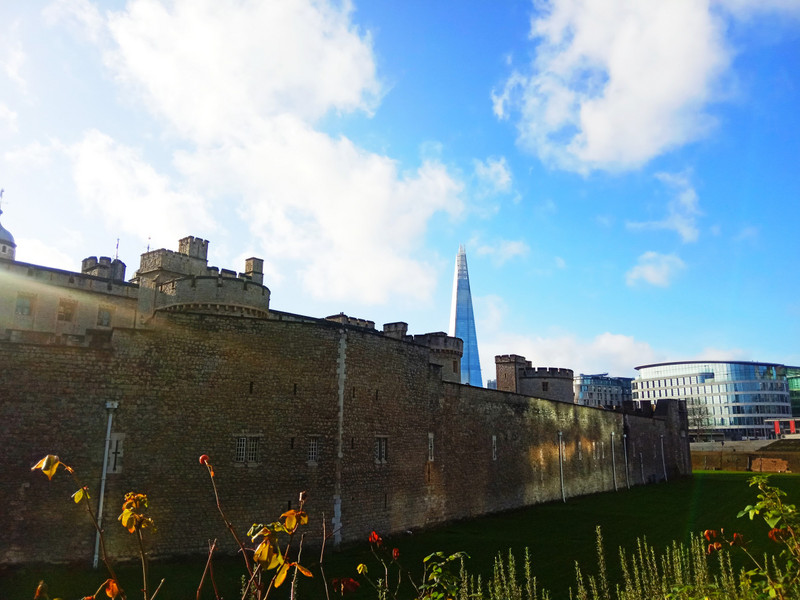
column 351, row 321
column 516, row 374
column 104, row 267
column 215, row 294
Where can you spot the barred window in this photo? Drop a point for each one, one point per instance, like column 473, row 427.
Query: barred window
column 247, row 448
column 252, row 449
column 241, row 449
column 313, row 449
column 494, row 447
column 66, row 311
column 430, row 447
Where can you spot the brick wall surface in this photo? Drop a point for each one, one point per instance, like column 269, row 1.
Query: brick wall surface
column 193, row 384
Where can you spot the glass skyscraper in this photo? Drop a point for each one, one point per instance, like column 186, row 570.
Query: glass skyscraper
column 462, row 322
column 725, row 400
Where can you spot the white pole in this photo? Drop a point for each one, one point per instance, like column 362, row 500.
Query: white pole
column 625, row 449
column 663, row 460
column 110, row 406
column 613, row 461
column 561, row 467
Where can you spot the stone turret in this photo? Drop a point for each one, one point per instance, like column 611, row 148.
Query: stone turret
column 182, row 281
column 446, row 352
column 515, row 374
column 104, row 267
column 254, row 269
column 398, row 330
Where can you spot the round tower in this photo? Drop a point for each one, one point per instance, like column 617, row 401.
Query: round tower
column 8, row 248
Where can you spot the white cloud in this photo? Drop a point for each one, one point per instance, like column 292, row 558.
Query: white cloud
column 747, row 233
column 33, row 156
column 615, row 83
column 560, row 263
column 494, row 174
column 345, row 219
column 37, row 252
column 501, row 251
column 611, row 353
column 80, row 15
column 682, row 210
column 114, row 181
column 655, row 269
column 240, row 87
column 12, row 56
column 9, row 117
column 213, row 69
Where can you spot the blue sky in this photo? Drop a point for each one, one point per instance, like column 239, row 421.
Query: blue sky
column 623, row 174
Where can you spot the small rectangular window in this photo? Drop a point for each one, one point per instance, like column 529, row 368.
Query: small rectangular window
column 430, row 447
column 545, row 386
column 66, row 311
column 313, row 449
column 24, row 306
column 103, row 317
column 381, row 449
column 494, row 447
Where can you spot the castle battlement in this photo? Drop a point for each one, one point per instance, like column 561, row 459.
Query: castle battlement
column 548, row 372
column 440, row 342
column 351, row 321
column 229, row 294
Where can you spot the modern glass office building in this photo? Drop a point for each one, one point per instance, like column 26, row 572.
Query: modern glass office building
column 725, row 400
column 462, row 322
column 602, row 390
column 793, row 374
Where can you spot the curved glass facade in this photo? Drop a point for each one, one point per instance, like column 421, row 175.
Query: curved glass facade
column 728, row 400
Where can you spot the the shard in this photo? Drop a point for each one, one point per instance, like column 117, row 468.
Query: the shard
column 462, row 322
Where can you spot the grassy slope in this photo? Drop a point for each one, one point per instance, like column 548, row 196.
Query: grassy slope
column 557, row 535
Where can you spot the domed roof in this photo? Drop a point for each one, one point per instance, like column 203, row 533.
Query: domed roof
column 5, row 235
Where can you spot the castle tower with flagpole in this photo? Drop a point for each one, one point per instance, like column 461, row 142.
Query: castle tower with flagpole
column 462, row 322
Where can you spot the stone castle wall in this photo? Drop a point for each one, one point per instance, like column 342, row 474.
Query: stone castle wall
column 192, row 384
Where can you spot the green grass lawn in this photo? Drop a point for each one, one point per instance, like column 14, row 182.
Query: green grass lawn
column 557, row 535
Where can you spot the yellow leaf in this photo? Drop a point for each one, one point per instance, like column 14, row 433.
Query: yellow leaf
column 78, row 496
column 267, row 555
column 304, row 571
column 303, row 518
column 277, row 559
column 281, row 576
column 128, row 520
column 291, row 520
column 261, row 555
column 48, row 465
column 362, row 569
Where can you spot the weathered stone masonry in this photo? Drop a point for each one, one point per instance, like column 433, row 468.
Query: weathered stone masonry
column 194, row 383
